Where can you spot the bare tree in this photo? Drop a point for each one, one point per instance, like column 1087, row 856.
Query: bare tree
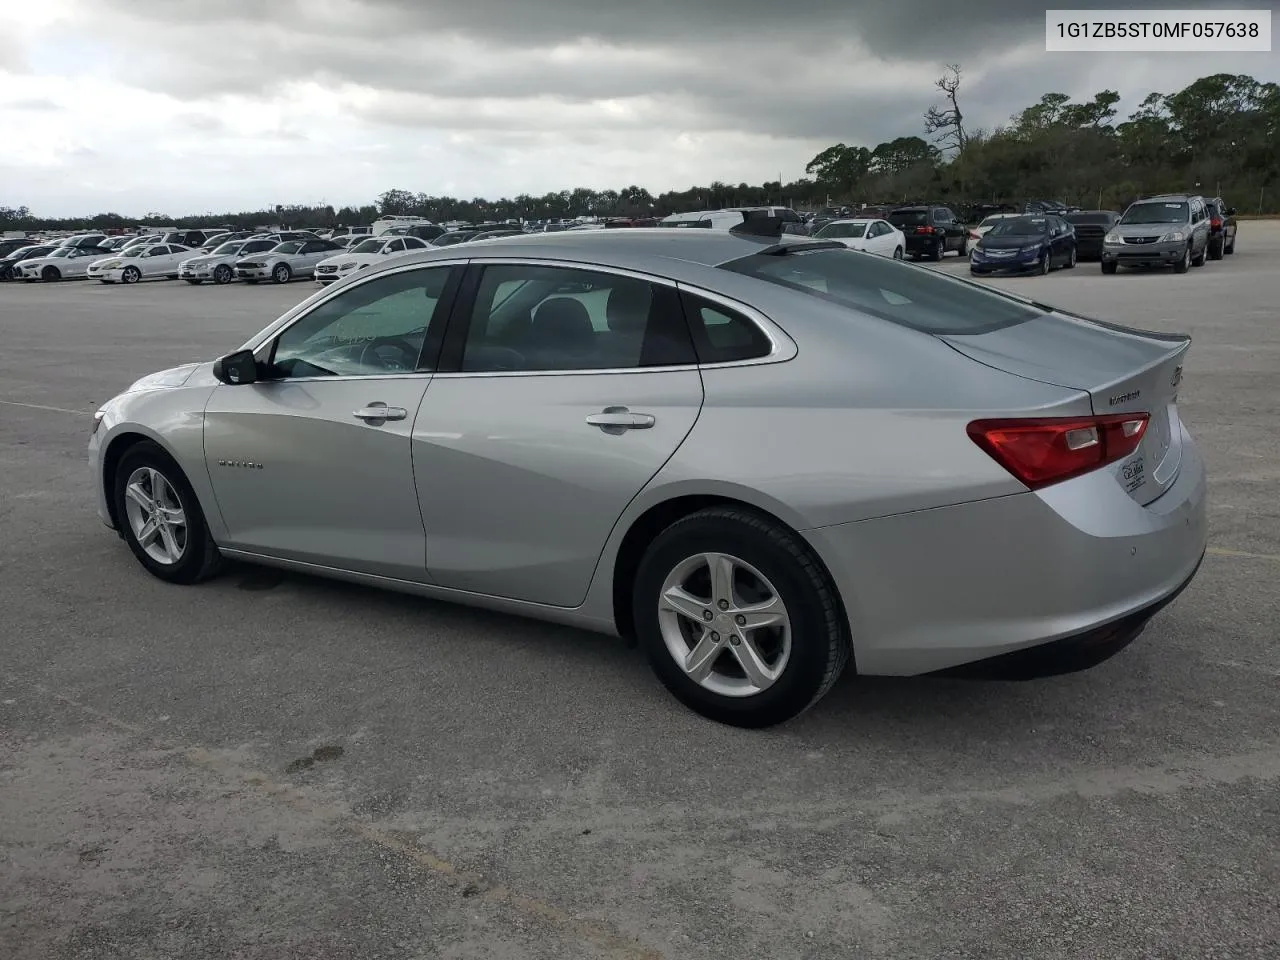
column 946, row 123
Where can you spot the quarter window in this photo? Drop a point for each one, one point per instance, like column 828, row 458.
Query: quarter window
column 378, row 327
column 721, row 335
column 536, row 318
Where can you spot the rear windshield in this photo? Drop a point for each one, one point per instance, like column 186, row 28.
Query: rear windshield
column 1086, row 218
column 910, row 218
column 915, row 297
column 1156, row 212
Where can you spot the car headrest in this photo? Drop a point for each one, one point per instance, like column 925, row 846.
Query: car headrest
column 628, row 308
column 563, row 321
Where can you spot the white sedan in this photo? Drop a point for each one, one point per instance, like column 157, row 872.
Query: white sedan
column 65, row 263
column 870, row 235
column 151, row 261
column 363, row 254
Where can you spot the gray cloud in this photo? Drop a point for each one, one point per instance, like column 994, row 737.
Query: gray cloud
column 32, row 104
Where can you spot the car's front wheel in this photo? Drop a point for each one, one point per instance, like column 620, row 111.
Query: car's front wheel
column 131, row 275
column 160, row 517
column 1182, row 265
column 738, row 618
column 1071, row 259
column 49, row 274
column 282, row 273
column 222, row 274
column 897, row 253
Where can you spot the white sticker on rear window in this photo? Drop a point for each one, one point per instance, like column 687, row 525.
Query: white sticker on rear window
column 1174, row 206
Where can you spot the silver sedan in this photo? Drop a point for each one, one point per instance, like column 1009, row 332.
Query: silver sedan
column 759, row 458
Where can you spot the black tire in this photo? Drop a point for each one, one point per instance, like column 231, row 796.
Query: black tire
column 897, row 253
column 964, row 246
column 50, row 274
column 1198, row 261
column 1071, row 260
column 200, row 559
column 820, row 646
column 1182, row 265
column 938, row 252
column 282, row 273
column 130, row 274
column 1046, row 264
column 1109, row 266
column 1216, row 249
column 222, row 274
column 194, row 283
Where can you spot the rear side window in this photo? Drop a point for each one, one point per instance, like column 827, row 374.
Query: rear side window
column 901, row 293
column 721, row 335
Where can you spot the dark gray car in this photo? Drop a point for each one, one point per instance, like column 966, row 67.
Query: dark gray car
column 1166, row 231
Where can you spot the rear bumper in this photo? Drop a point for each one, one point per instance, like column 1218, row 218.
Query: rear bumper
column 936, row 589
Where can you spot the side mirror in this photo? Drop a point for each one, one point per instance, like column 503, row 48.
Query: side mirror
column 236, row 368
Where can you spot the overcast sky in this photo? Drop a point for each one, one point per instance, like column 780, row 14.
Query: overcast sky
column 186, row 106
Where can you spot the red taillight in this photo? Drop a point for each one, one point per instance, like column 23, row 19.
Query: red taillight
column 1215, row 223
column 924, row 229
column 1041, row 451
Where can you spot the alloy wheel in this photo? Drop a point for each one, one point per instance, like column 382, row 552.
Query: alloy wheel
column 724, row 624
column 156, row 516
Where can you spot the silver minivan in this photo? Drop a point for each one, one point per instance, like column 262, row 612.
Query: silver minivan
column 1164, row 231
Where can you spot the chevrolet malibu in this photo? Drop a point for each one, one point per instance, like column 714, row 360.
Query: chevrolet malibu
column 759, row 458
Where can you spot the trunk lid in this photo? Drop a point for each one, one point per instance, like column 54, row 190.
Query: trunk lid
column 1123, row 371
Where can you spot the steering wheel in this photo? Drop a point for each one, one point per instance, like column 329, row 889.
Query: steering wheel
column 406, row 348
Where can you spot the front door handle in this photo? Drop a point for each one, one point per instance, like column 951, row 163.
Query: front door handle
column 379, row 412
column 617, row 419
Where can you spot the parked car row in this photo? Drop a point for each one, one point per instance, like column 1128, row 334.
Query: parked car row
column 1174, row 230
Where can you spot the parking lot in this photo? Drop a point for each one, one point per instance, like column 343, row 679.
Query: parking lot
column 273, row 766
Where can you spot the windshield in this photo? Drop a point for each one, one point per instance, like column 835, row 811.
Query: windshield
column 226, row 249
column 289, row 246
column 901, row 293
column 1020, row 227
column 137, row 251
column 1173, row 212
column 909, row 218
column 63, row 252
column 368, row 246
column 841, row 230
column 992, row 221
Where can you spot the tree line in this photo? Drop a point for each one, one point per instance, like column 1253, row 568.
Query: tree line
column 1219, row 135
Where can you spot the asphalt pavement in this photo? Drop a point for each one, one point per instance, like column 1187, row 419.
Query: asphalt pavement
column 277, row 766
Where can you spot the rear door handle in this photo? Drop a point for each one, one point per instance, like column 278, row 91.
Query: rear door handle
column 379, row 411
column 620, row 418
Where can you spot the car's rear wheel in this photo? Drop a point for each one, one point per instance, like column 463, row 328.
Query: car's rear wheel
column 222, row 274
column 939, row 250
column 282, row 273
column 1109, row 266
column 49, row 274
column 897, row 253
column 131, row 274
column 1182, row 265
column 738, row 618
column 160, row 517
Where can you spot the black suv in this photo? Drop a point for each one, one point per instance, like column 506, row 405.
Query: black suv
column 931, row 231
column 1222, row 228
column 1091, row 227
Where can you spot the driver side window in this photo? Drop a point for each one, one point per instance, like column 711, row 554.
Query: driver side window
column 372, row 329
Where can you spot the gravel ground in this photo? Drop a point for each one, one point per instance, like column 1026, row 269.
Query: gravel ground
column 274, row 766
